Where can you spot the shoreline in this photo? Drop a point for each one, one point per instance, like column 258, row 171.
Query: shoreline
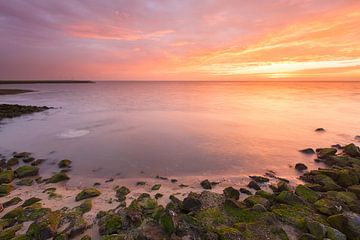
column 14, row 91
column 45, row 81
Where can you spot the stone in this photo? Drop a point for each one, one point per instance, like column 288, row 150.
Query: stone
column 191, row 204
column 6, row 176
column 334, row 234
column 307, row 151
column 347, row 223
column 12, row 162
column 85, row 206
column 307, row 236
column 259, row 179
column 246, row 191
column 25, row 182
column 87, row 193
column 37, row 162
column 320, row 130
column 111, row 223
column 158, row 196
column 231, row 192
column 45, row 227
column 26, row 171
column 121, row 193
column 307, row 194
column 252, row 184
column 58, row 177
column 30, row 201
column 355, row 189
column 65, row 163
column 300, row 167
column 167, row 221
column 206, row 184
column 315, row 228
column 156, row 187
column 28, row 159
column 5, row 189
column 255, row 199
column 328, row 206
column 22, row 155
column 352, row 150
column 12, row 202
column 289, row 198
column 140, row 183
column 9, row 233
column 325, row 152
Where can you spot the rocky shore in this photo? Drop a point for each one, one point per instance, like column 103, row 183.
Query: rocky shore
column 325, row 206
column 15, row 110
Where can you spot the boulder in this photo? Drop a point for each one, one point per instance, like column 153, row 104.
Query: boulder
column 65, row 163
column 87, row 193
column 252, row 184
column 12, row 162
column 206, row 184
column 26, row 171
column 328, row 206
column 289, row 198
column 246, row 191
column 307, row 151
column 12, row 202
column 168, row 222
column 45, row 227
column 58, row 177
column 307, row 194
column 156, row 187
column 352, row 150
column 111, row 223
column 347, row 223
column 25, row 182
column 6, row 176
column 5, row 189
column 231, row 192
column 121, row 193
column 191, row 204
column 325, row 152
column 355, row 189
column 30, row 201
column 320, row 130
column 255, row 199
column 300, row 167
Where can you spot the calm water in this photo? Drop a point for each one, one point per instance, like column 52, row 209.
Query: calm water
column 183, row 128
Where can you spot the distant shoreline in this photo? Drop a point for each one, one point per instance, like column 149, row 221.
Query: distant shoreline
column 46, row 81
column 14, row 91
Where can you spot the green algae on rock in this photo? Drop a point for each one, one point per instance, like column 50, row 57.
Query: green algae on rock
column 26, row 171
column 87, row 193
column 65, row 163
column 58, row 177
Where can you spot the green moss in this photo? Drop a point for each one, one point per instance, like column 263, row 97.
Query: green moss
column 6, row 176
column 239, row 213
column 65, row 163
column 9, row 233
column 26, row 171
column 85, row 206
column 25, row 182
column 289, row 198
column 226, row 232
column 12, row 202
column 87, row 193
column 45, row 227
column 307, row 194
column 121, row 193
column 110, row 224
column 156, row 187
column 58, row 177
column 12, row 162
column 5, row 189
column 211, row 217
column 325, row 152
column 15, row 213
column 256, row 199
column 167, row 222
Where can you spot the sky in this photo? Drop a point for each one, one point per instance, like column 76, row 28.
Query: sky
column 180, row 40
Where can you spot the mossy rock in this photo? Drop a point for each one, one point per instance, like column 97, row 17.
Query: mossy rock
column 87, row 193
column 12, row 162
column 256, row 199
column 86, row 237
column 352, row 150
column 355, row 189
column 12, row 202
column 347, row 223
column 85, row 206
column 156, row 187
column 110, row 224
column 65, row 163
column 121, row 193
column 226, row 232
column 25, row 182
column 167, row 221
column 238, row 212
column 231, row 192
column 30, row 201
column 289, row 198
column 140, row 183
column 317, row 229
column 6, row 176
column 347, row 178
column 259, row 179
column 26, row 171
column 265, row 194
column 22, row 155
column 325, row 152
column 206, row 184
column 15, row 213
column 45, row 227
column 328, row 206
column 334, row 234
column 35, row 212
column 307, row 194
column 326, row 182
column 9, row 233
column 210, row 217
column 5, row 189
column 58, row 177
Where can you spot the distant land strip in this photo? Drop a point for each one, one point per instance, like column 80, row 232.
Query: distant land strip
column 45, row 81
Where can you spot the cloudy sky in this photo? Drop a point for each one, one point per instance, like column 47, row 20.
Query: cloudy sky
column 180, row 39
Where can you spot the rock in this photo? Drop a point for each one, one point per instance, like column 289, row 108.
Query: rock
column 156, row 187
column 315, row 228
column 307, row 151
column 16, row 213
column 37, row 162
column 45, row 227
column 86, row 237
column 28, row 159
column 12, row 202
column 319, row 130
column 58, row 177
column 355, row 189
column 140, row 183
column 173, row 180
column 26, row 171
column 206, row 184
column 111, row 223
column 255, row 199
column 289, row 198
column 246, row 191
column 30, row 201
column 22, row 155
column 65, row 163
column 12, row 162
column 121, row 193
column 307, row 194
column 5, row 189
column 109, row 180
column 87, row 193
column 307, row 236
column 259, row 208
column 85, row 206
column 328, row 206
column 325, row 152
column 326, row 182
column 158, row 195
column 231, row 192
column 338, row 146
column 252, row 184
column 167, row 221
column 191, row 204
column 347, row 223
column 25, row 182
column 259, row 179
column 9, row 233
column 6, row 176
column 300, row 167
column 352, row 150
column 334, row 234
column 283, row 186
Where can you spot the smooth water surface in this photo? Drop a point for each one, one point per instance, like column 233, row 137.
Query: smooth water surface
column 183, row 128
